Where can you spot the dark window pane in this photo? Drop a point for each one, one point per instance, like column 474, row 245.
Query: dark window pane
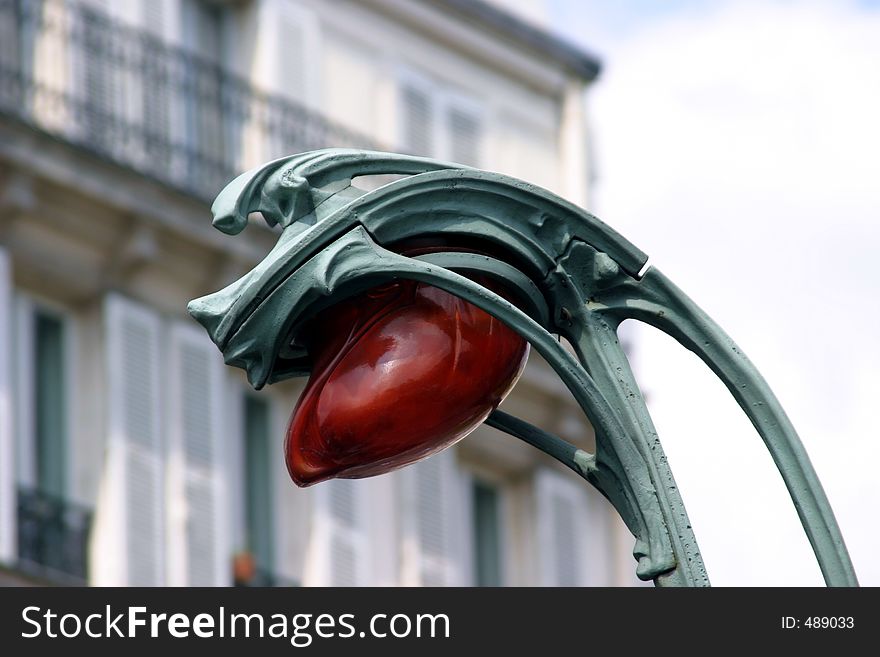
column 258, row 489
column 50, row 404
column 487, row 535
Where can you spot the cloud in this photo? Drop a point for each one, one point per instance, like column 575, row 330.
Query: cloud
column 739, row 145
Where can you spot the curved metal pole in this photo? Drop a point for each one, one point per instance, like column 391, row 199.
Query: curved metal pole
column 598, row 346
column 578, row 460
column 657, row 301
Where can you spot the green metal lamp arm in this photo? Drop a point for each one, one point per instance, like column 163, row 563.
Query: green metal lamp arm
column 571, row 274
column 657, row 301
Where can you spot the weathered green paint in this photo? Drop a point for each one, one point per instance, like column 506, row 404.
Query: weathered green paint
column 573, row 276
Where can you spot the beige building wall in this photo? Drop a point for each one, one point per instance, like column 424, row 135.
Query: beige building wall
column 87, row 240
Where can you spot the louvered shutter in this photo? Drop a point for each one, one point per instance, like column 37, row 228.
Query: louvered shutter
column 433, row 513
column 417, row 121
column 201, row 106
column 341, row 547
column 7, row 449
column 285, row 53
column 464, row 134
column 201, row 555
column 291, row 78
column 437, row 122
column 14, row 42
column 155, row 92
column 135, row 448
column 98, row 78
column 528, row 151
column 564, row 515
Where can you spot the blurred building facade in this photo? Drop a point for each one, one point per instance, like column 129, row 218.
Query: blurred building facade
column 129, row 454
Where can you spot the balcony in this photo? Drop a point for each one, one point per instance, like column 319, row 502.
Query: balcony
column 265, row 578
column 124, row 95
column 246, row 572
column 53, row 538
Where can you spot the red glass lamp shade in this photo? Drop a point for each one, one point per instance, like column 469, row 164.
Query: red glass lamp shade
column 399, row 373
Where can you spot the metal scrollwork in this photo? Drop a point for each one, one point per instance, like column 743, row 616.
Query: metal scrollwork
column 573, row 276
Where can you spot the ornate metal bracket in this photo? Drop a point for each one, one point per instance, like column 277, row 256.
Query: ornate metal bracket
column 574, row 276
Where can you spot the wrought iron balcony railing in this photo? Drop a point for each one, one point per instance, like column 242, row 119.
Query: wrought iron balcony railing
column 125, row 95
column 53, row 537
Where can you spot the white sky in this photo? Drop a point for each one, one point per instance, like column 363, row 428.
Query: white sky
column 738, row 144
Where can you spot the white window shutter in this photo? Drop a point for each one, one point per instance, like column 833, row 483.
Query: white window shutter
column 527, row 150
column 24, row 382
column 340, row 540
column 291, row 79
column 417, row 120
column 134, row 499
column 286, row 65
column 97, row 78
column 156, row 90
column 433, row 517
column 465, row 135
column 290, row 82
column 345, row 549
column 200, row 555
column 145, row 95
column 153, row 16
column 199, row 119
column 7, row 449
column 436, row 121
column 564, row 523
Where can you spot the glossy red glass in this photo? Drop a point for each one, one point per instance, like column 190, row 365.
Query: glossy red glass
column 399, row 373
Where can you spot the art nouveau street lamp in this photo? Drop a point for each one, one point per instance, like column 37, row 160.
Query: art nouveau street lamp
column 412, row 304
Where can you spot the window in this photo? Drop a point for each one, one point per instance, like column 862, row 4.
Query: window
column 565, row 517
column 417, row 121
column 464, row 135
column 163, row 513
column 50, row 403
column 439, row 122
column 97, row 77
column 123, row 103
column 43, row 404
column 340, row 549
column 155, row 110
column 432, row 500
column 203, row 26
column 194, row 454
column 259, row 534
column 135, row 474
column 204, row 110
column 7, row 442
column 51, row 531
column 486, row 513
column 287, row 64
